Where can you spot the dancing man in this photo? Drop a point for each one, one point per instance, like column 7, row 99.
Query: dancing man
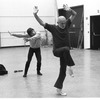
column 61, row 43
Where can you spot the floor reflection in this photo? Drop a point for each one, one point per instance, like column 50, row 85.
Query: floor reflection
column 86, row 81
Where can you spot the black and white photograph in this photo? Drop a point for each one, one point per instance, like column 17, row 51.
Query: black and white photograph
column 50, row 49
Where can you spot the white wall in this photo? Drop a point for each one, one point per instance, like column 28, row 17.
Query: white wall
column 25, row 7
column 14, row 13
column 91, row 7
column 17, row 15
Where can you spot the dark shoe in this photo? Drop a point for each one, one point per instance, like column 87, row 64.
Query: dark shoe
column 39, row 73
column 24, row 75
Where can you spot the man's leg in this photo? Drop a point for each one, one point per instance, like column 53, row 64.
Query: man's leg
column 30, row 54
column 61, row 77
column 65, row 52
column 62, row 74
column 69, row 61
column 65, row 59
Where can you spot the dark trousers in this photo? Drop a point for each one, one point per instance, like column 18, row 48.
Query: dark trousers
column 65, row 59
column 37, row 52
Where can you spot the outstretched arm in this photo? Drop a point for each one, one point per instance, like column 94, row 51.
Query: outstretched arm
column 73, row 13
column 37, row 17
column 19, row 35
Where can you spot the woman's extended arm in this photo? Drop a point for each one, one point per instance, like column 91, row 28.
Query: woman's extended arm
column 19, row 35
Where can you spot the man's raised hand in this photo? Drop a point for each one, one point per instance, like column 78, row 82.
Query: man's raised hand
column 35, row 9
column 65, row 7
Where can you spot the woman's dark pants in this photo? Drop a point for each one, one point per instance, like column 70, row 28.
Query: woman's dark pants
column 37, row 52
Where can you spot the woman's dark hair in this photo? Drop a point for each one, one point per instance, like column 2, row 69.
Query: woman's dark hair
column 29, row 30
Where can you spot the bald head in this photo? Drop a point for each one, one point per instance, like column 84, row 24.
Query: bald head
column 61, row 19
column 61, row 22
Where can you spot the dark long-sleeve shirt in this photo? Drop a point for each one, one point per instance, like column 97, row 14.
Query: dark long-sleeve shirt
column 60, row 36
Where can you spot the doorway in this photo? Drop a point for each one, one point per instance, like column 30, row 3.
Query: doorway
column 76, row 29
column 95, row 32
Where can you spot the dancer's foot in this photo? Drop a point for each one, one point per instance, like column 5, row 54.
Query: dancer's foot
column 24, row 75
column 59, row 92
column 39, row 73
column 71, row 72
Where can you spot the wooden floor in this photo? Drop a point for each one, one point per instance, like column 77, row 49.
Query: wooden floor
column 86, row 82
